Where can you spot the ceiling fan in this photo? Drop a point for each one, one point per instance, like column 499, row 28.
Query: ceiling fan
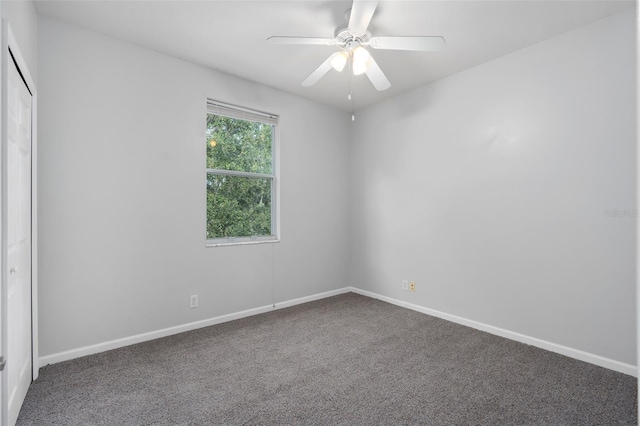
column 353, row 41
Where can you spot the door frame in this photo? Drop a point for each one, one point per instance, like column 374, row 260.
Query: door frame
column 9, row 41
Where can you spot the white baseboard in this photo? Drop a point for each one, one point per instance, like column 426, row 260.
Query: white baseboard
column 611, row 364
column 139, row 338
column 543, row 344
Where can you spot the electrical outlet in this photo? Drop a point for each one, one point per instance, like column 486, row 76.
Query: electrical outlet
column 412, row 286
column 405, row 285
column 193, row 301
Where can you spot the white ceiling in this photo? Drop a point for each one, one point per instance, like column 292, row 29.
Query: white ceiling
column 230, row 36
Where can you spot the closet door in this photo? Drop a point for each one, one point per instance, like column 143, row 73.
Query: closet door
column 18, row 371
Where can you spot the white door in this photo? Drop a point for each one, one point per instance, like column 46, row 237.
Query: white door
column 18, row 368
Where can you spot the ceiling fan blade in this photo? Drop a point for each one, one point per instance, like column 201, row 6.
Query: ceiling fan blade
column 375, row 74
column 301, row 40
column 320, row 71
column 423, row 44
column 361, row 14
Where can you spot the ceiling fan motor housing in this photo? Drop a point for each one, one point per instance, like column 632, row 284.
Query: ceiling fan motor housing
column 344, row 36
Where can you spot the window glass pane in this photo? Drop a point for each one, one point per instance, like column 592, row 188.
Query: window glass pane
column 238, row 206
column 239, row 145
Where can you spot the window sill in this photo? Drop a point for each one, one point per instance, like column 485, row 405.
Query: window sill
column 240, row 242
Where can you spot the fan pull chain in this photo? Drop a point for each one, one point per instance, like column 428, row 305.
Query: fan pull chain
column 349, row 97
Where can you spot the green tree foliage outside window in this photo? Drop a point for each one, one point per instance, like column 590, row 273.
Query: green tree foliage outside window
column 239, row 177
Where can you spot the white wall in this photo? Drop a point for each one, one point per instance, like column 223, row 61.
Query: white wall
column 489, row 189
column 122, row 205
column 22, row 16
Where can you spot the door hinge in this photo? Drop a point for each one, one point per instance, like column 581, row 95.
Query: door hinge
column 3, row 362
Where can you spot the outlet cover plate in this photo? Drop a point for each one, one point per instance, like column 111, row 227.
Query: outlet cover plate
column 193, row 301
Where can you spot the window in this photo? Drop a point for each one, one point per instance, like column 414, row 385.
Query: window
column 241, row 175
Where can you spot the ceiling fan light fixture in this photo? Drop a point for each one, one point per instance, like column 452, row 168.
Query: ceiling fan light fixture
column 360, row 59
column 351, row 42
column 339, row 61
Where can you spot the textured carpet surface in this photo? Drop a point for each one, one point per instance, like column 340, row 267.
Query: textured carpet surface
column 344, row 360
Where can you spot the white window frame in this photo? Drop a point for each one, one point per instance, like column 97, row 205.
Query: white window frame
column 241, row 113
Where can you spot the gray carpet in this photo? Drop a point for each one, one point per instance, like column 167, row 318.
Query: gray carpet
column 345, row 360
